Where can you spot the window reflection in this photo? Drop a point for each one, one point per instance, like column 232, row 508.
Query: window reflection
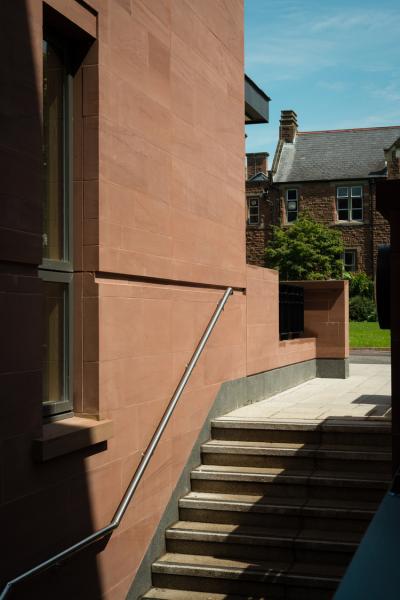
column 54, row 84
column 55, row 302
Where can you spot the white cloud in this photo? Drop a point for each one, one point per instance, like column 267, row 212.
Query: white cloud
column 388, row 93
column 298, row 38
column 356, row 19
column 333, row 86
column 379, row 119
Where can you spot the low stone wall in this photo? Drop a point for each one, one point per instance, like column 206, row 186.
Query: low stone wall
column 325, row 319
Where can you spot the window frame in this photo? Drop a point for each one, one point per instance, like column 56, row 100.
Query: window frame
column 353, row 251
column 350, row 208
column 61, row 271
column 66, row 264
column 287, row 200
column 249, row 207
column 64, row 406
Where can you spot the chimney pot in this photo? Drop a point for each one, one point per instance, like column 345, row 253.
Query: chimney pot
column 288, row 126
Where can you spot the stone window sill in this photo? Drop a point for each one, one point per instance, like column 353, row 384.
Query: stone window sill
column 68, row 435
column 349, row 223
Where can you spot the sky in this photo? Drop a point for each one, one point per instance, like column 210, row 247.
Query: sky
column 336, row 64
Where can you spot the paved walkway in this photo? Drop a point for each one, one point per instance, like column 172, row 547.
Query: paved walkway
column 366, row 393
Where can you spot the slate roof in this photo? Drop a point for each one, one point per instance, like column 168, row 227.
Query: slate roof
column 258, row 177
column 339, row 154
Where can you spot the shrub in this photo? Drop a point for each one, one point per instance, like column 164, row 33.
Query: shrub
column 362, row 308
column 361, row 285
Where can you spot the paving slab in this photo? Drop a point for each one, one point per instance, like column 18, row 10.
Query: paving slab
column 366, row 393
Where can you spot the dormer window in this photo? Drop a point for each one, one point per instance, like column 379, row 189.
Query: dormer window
column 349, row 203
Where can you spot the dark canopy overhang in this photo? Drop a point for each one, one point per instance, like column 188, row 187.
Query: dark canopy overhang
column 256, row 103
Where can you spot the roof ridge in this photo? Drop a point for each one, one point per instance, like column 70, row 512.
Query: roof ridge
column 354, row 129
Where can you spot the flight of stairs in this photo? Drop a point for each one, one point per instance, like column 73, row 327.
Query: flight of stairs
column 276, row 510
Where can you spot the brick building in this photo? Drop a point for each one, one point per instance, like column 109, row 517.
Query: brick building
column 330, row 174
column 259, row 210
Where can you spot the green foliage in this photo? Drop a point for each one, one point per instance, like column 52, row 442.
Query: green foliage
column 305, row 250
column 361, row 285
column 362, row 308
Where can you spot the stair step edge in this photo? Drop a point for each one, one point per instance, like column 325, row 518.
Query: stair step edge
column 326, row 479
column 240, row 506
column 172, row 594
column 248, row 572
column 211, row 448
column 309, row 425
column 254, row 540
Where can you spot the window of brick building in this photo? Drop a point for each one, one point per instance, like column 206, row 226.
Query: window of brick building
column 70, row 102
column 349, row 203
column 56, row 268
column 349, row 258
column 292, row 205
column 253, row 211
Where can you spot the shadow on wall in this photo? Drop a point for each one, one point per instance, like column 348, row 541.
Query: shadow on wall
column 44, row 506
column 49, row 511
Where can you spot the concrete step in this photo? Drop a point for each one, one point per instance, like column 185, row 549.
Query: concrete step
column 250, row 579
column 165, row 594
column 263, row 454
column 276, row 512
column 284, row 482
column 333, row 432
column 256, row 543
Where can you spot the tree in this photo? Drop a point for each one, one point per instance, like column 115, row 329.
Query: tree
column 362, row 302
column 305, row 250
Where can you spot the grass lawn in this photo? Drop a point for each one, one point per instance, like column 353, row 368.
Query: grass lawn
column 368, row 335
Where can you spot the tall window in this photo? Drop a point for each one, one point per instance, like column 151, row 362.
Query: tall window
column 292, row 206
column 56, row 268
column 254, row 211
column 349, row 258
column 349, row 203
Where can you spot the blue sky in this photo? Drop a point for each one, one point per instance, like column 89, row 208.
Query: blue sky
column 337, row 64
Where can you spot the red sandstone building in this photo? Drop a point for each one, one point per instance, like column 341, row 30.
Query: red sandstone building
column 122, row 226
column 330, row 174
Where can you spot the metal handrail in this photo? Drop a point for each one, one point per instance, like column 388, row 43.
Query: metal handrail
column 108, row 529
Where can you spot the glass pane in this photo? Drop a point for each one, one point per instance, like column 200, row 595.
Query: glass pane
column 343, row 215
column 54, row 76
column 292, row 194
column 350, row 260
column 343, row 204
column 356, row 192
column 292, row 205
column 55, row 297
column 356, row 203
column 253, row 215
column 292, row 216
column 357, row 215
column 254, row 203
column 342, row 192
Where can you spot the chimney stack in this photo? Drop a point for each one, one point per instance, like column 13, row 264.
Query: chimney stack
column 257, row 162
column 288, row 126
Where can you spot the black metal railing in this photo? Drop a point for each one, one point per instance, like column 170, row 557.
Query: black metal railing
column 291, row 311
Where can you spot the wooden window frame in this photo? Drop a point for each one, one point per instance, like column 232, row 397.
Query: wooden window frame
column 349, row 197
column 291, row 212
column 250, row 215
